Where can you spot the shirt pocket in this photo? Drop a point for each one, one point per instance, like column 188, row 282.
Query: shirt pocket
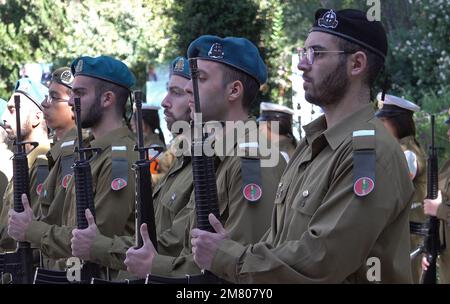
column 307, row 200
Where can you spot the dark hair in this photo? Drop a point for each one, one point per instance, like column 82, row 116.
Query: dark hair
column 404, row 125
column 120, row 92
column 374, row 62
column 151, row 118
column 285, row 128
column 251, row 86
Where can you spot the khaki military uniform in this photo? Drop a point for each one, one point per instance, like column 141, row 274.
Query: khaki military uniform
column 322, row 231
column 38, row 171
column 444, row 214
column 246, row 221
column 170, row 198
column 114, row 209
column 419, row 178
column 61, row 158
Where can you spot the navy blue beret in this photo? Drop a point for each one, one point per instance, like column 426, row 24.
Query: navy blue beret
column 180, row 67
column 353, row 25
column 63, row 76
column 104, row 68
column 239, row 53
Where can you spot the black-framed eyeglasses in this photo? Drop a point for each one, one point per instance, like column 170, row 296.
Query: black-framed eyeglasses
column 309, row 54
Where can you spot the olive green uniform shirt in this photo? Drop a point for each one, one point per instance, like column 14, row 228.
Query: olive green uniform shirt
column 37, row 160
column 245, row 221
column 114, row 209
column 444, row 214
column 170, row 198
column 321, row 231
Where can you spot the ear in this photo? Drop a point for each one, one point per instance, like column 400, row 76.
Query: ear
column 235, row 91
column 107, row 99
column 358, row 63
column 36, row 119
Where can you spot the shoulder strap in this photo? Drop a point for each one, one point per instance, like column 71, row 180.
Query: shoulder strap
column 364, row 159
column 119, row 165
column 251, row 179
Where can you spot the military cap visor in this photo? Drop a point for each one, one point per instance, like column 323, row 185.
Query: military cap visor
column 236, row 52
column 389, row 110
column 352, row 25
column 274, row 115
column 105, row 68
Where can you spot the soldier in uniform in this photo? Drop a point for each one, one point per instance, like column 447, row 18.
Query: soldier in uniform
column 397, row 116
column 103, row 85
column 170, row 196
column 33, row 129
column 283, row 115
column 59, row 117
column 342, row 205
column 440, row 207
column 231, row 71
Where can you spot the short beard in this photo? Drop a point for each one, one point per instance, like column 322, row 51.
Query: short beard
column 332, row 88
column 93, row 115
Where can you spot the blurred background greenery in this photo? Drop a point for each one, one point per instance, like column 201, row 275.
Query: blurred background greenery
column 145, row 33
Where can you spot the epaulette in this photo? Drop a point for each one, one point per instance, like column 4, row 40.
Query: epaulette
column 119, row 164
column 251, row 172
column 41, row 174
column 67, row 161
column 364, row 159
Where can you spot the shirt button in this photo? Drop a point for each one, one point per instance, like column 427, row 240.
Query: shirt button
column 305, row 193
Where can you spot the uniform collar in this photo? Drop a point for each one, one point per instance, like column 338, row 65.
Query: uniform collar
column 41, row 149
column 338, row 133
column 106, row 140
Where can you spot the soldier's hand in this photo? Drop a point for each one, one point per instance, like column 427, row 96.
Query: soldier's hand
column 139, row 261
column 430, row 206
column 18, row 222
column 425, row 263
column 205, row 244
column 82, row 239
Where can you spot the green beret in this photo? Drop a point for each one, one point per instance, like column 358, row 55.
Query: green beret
column 34, row 90
column 63, row 76
column 239, row 53
column 180, row 67
column 104, row 68
column 353, row 25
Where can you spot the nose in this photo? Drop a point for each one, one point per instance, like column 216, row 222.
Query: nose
column 303, row 65
column 45, row 102
column 165, row 103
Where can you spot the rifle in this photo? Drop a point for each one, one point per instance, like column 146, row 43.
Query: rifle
column 20, row 263
column 205, row 187
column 83, row 190
column 432, row 241
column 145, row 212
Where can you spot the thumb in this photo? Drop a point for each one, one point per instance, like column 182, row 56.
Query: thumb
column 216, row 224
column 89, row 217
column 439, row 196
column 145, row 236
column 25, row 202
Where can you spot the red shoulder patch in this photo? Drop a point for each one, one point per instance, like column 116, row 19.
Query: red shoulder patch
column 118, row 183
column 363, row 186
column 252, row 192
column 39, row 189
column 65, row 181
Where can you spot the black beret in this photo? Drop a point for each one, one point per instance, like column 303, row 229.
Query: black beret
column 353, row 25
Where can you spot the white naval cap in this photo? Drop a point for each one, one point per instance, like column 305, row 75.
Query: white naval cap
column 269, row 110
column 393, row 106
